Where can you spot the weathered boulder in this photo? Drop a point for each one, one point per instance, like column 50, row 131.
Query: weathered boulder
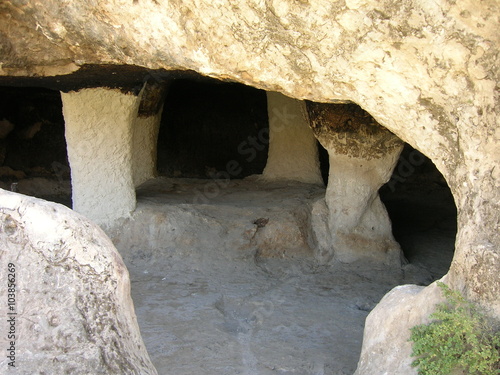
column 71, row 301
column 386, row 346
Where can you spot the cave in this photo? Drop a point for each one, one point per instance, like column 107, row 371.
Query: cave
column 423, row 215
column 212, row 202
column 36, row 163
column 365, row 171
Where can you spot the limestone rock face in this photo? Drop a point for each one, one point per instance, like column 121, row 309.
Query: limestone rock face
column 73, row 305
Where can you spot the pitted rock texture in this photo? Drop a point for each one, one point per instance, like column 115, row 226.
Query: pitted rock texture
column 74, row 310
column 347, row 129
column 386, row 346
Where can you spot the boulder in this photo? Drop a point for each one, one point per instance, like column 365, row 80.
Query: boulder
column 69, row 294
column 386, row 346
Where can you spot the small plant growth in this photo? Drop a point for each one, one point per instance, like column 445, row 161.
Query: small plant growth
column 459, row 338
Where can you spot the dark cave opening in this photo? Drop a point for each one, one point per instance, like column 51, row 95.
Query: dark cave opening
column 324, row 163
column 423, row 214
column 33, row 156
column 213, row 129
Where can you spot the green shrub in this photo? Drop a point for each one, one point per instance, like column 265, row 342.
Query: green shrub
column 459, row 338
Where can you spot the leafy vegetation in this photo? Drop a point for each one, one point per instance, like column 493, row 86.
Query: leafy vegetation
column 459, row 338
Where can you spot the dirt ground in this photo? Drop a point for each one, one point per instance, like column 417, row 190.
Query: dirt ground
column 246, row 317
column 201, row 314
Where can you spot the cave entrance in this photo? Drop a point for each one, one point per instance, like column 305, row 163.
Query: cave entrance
column 193, row 298
column 213, row 129
column 423, row 214
column 33, row 158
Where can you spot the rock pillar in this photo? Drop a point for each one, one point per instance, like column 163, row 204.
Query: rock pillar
column 362, row 157
column 293, row 151
column 99, row 135
column 145, row 133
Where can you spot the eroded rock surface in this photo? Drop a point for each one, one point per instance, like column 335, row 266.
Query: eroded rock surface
column 386, row 346
column 74, row 310
column 220, row 219
column 425, row 70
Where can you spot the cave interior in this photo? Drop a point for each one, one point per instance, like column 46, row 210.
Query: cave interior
column 212, row 146
column 205, row 124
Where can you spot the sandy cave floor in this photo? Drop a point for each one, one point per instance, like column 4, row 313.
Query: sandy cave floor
column 251, row 315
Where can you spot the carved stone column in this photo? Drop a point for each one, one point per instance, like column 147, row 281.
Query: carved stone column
column 99, row 133
column 145, row 132
column 362, row 157
column 293, row 150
